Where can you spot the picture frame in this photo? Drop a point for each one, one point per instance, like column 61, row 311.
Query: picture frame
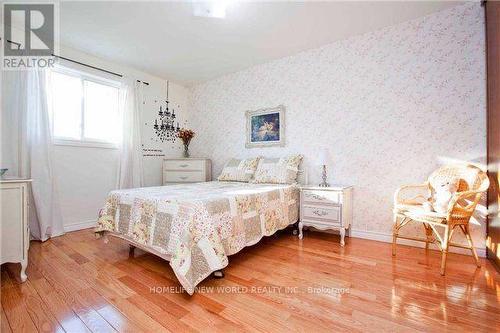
column 265, row 127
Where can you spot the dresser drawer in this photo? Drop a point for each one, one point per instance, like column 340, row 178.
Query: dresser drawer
column 321, row 197
column 180, row 165
column 323, row 214
column 184, row 176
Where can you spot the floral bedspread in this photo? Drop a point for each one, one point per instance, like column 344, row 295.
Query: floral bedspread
column 199, row 225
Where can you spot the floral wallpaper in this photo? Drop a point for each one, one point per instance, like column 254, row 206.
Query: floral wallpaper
column 391, row 105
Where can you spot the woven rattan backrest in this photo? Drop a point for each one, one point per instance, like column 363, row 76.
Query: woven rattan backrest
column 471, row 177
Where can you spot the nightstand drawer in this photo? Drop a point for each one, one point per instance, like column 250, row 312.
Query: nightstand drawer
column 179, row 165
column 323, row 214
column 321, row 197
column 184, row 177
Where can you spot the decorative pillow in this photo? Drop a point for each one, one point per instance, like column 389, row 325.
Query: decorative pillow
column 239, row 170
column 278, row 170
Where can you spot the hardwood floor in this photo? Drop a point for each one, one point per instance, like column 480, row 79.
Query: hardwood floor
column 79, row 284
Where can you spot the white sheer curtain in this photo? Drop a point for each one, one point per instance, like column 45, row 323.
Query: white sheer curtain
column 10, row 121
column 30, row 142
column 130, row 169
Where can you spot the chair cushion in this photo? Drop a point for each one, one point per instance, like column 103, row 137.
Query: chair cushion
column 419, row 213
column 403, row 207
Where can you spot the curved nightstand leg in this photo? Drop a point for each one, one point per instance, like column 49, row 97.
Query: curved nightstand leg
column 301, row 235
column 24, row 264
column 342, row 235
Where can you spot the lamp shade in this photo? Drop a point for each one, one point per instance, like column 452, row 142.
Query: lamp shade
column 324, row 157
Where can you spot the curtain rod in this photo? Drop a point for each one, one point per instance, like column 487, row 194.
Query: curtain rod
column 93, row 67
column 78, row 62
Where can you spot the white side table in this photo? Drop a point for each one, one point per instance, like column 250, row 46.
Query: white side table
column 14, row 227
column 326, row 208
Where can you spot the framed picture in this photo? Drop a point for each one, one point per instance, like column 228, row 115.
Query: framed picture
column 266, row 127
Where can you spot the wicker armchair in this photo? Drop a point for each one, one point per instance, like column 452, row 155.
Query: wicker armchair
column 472, row 183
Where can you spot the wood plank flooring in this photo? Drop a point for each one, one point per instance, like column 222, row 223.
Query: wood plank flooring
column 76, row 283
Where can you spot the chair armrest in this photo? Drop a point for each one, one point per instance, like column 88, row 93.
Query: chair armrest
column 399, row 192
column 465, row 194
column 473, row 195
column 460, row 210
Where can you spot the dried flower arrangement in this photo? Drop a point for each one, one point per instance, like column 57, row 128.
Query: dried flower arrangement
column 185, row 135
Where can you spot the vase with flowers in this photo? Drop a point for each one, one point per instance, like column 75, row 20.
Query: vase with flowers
column 185, row 135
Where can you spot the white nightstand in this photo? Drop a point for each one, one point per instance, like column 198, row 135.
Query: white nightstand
column 326, row 208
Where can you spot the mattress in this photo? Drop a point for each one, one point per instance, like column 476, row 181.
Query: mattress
column 199, row 225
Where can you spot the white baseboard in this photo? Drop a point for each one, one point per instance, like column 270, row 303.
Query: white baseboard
column 372, row 235
column 80, row 225
column 387, row 238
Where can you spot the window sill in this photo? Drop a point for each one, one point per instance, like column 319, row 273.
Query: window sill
column 85, row 144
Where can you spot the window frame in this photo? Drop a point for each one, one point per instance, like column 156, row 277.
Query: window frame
column 83, row 141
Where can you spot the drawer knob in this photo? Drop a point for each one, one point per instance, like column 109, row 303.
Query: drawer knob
column 184, row 165
column 183, row 177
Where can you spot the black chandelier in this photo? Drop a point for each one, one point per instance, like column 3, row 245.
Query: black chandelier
column 164, row 124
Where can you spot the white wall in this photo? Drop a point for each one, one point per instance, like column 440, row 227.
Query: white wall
column 85, row 175
column 392, row 105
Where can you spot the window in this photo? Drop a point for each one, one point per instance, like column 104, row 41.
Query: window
column 84, row 109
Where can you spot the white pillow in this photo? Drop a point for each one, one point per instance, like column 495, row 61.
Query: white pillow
column 239, row 170
column 278, row 170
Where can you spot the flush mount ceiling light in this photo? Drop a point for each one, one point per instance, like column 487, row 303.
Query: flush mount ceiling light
column 215, row 9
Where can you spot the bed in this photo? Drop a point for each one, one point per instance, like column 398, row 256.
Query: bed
column 197, row 226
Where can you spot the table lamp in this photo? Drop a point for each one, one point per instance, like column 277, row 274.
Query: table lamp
column 324, row 158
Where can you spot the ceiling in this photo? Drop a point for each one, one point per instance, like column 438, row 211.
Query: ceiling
column 167, row 40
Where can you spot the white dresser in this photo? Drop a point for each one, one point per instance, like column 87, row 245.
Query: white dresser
column 186, row 170
column 14, row 228
column 326, row 208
